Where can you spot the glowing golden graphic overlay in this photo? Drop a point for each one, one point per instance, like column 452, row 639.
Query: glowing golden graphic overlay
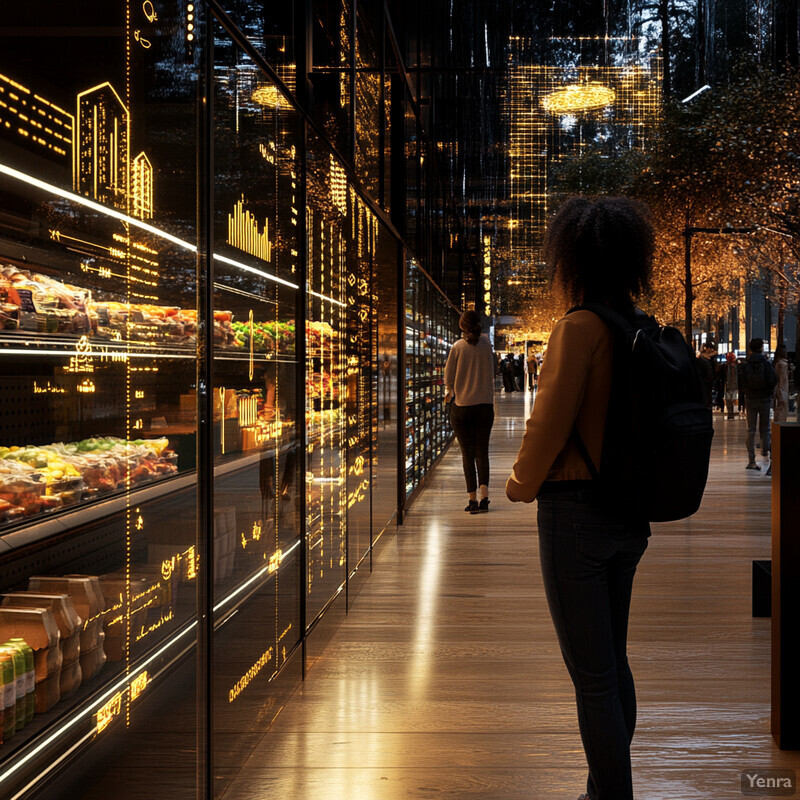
column 546, row 109
column 248, row 677
column 101, row 149
column 338, row 184
column 244, row 233
column 270, row 96
column 142, row 187
column 578, row 97
column 35, row 119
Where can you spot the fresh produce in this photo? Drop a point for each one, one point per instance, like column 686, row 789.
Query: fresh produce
column 318, row 334
column 36, row 479
column 268, row 337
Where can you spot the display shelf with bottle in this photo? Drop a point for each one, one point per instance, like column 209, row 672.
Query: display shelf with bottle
column 429, row 323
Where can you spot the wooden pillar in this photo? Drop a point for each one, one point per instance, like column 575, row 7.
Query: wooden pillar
column 785, row 585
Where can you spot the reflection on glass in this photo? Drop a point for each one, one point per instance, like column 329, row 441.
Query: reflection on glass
column 256, row 524
column 430, row 322
column 98, row 341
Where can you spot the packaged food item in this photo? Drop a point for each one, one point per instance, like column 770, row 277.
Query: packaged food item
column 9, row 316
column 20, row 685
column 38, row 628
column 8, row 693
column 67, row 619
column 92, row 661
column 87, row 599
column 48, row 693
column 29, row 678
column 114, row 587
column 70, row 678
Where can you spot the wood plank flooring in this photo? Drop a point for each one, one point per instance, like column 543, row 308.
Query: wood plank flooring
column 445, row 680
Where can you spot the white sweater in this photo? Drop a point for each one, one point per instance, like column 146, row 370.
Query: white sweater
column 469, row 372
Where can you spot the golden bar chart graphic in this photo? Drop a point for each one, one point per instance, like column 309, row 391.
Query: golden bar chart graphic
column 244, row 233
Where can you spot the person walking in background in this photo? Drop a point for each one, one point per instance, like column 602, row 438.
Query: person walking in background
column 508, row 367
column 708, row 369
column 781, row 396
column 519, row 372
column 469, row 383
column 602, row 251
column 758, row 381
column 740, row 362
column 533, row 370
column 730, row 383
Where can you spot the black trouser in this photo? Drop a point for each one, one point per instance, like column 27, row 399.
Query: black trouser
column 588, row 560
column 473, row 426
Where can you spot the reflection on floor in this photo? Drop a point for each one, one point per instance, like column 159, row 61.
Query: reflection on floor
column 445, row 680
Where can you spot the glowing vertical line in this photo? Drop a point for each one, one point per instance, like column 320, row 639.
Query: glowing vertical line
column 128, row 377
column 115, row 157
column 221, row 392
column 252, row 345
column 94, row 150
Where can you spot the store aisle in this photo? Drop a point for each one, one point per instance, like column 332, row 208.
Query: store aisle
column 445, row 680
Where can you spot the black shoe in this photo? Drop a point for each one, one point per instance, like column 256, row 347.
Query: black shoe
column 753, row 465
column 769, row 471
column 472, row 507
column 484, row 504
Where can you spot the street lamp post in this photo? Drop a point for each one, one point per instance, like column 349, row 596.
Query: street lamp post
column 688, row 232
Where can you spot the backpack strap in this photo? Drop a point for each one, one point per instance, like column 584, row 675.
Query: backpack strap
column 579, row 443
column 608, row 315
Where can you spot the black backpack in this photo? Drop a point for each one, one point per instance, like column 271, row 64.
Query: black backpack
column 759, row 377
column 658, row 432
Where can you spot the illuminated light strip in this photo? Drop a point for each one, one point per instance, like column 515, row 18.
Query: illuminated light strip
column 133, row 221
column 247, row 268
column 50, row 767
column 109, row 355
column 88, row 711
column 252, row 580
column 329, row 299
column 233, row 290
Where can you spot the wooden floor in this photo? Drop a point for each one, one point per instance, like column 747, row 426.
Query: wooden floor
column 445, row 680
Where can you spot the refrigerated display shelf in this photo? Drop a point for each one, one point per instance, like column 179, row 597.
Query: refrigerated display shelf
column 32, row 344
column 29, row 532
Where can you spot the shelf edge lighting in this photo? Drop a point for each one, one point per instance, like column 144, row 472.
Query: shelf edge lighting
column 133, row 221
column 124, row 681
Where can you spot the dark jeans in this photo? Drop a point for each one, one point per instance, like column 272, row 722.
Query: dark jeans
column 757, row 411
column 588, row 559
column 472, row 426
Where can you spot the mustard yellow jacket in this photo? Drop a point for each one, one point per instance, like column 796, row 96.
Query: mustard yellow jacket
column 574, row 388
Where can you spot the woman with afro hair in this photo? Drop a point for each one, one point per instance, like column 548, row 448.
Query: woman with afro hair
column 597, row 251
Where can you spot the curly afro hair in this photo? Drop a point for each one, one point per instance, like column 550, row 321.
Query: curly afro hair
column 601, row 249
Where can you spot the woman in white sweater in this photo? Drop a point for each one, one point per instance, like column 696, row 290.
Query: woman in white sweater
column 469, row 382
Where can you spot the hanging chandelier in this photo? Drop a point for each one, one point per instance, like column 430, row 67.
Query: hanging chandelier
column 578, row 97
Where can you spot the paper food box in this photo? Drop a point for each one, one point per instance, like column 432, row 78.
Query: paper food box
column 67, row 619
column 87, row 599
column 37, row 626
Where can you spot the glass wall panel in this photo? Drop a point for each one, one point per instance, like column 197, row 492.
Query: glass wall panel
column 332, row 37
column 256, row 527
column 412, row 177
column 385, row 482
column 360, row 398
column 328, row 226
column 269, row 27
column 368, row 100
column 107, row 331
column 99, row 335
column 430, row 323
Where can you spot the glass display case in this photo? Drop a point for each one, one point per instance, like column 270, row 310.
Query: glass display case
column 201, row 322
column 99, row 342
column 431, row 326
